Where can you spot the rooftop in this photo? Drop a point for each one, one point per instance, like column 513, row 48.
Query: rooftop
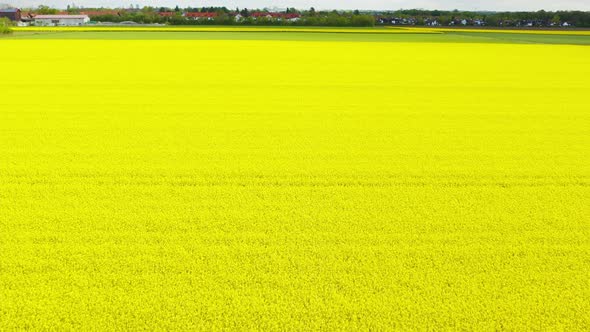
column 61, row 16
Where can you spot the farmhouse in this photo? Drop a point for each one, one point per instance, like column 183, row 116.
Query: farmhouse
column 198, row 16
column 26, row 20
column 61, row 20
column 292, row 17
column 257, row 15
column 12, row 14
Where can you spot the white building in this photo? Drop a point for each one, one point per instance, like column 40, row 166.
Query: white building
column 61, row 20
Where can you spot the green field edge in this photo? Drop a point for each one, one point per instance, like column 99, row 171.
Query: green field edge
column 325, row 37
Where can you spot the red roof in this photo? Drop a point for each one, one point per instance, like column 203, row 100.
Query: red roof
column 200, row 14
column 167, row 14
column 259, row 14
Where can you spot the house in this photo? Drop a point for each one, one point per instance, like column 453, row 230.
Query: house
column 397, row 21
column 61, row 20
column 12, row 14
column 200, row 16
column 26, row 20
column 431, row 22
column 292, row 17
column 258, row 15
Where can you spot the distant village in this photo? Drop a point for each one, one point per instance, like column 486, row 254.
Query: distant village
column 75, row 16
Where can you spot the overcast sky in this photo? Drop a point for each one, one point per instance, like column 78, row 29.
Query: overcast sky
column 511, row 5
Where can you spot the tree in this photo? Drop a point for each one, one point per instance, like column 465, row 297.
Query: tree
column 73, row 9
column 491, row 20
column 362, row 21
column 444, row 20
column 5, row 25
column 46, row 10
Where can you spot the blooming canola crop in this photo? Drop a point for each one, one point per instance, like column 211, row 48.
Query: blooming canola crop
column 292, row 185
column 281, row 29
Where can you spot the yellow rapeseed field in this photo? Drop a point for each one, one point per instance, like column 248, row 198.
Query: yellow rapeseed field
column 383, row 30
column 169, row 28
column 531, row 31
column 291, row 185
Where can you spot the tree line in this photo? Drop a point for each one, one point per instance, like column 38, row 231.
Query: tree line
column 575, row 18
column 311, row 17
column 224, row 16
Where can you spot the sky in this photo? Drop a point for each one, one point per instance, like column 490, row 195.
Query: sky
column 495, row 5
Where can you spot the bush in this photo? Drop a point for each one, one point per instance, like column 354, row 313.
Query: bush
column 5, row 25
column 362, row 21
